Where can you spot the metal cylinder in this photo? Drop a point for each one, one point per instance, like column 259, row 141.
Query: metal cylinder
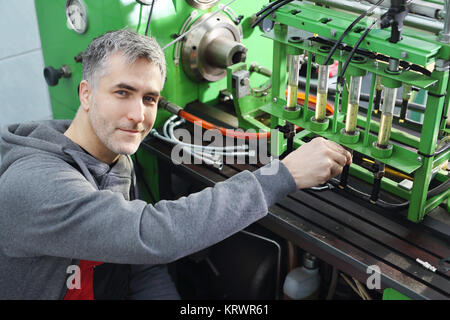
column 378, row 90
column 322, row 91
column 407, row 90
column 211, row 46
column 353, row 104
column 224, row 52
column 293, row 72
column 445, row 33
column 394, row 64
column 384, row 133
column 412, row 20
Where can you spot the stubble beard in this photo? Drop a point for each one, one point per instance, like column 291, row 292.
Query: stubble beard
column 106, row 131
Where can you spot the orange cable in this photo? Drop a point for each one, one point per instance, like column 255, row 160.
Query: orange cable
column 247, row 135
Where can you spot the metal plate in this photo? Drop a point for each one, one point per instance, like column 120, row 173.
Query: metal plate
column 202, row 4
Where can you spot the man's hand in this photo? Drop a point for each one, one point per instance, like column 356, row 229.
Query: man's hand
column 316, row 162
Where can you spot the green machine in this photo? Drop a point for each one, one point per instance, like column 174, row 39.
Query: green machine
column 395, row 57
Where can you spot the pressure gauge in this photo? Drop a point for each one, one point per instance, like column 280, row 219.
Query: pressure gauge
column 76, row 14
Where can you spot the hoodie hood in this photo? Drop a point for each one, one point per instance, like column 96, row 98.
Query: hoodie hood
column 18, row 141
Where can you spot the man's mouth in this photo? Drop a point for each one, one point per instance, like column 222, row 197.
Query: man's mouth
column 130, row 130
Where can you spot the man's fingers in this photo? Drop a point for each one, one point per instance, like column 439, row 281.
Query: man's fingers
column 335, row 170
column 340, row 149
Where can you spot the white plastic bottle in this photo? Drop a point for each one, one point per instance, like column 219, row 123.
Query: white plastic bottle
column 303, row 283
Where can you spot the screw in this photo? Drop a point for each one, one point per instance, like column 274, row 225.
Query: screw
column 404, row 54
column 419, row 159
column 275, row 99
column 333, row 33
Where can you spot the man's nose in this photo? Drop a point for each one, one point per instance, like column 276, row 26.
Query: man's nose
column 136, row 111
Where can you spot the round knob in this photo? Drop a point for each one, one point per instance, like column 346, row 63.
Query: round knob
column 53, row 75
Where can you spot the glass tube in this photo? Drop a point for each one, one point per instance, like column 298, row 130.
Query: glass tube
column 390, row 95
column 378, row 89
column 293, row 72
column 322, row 91
column 353, row 104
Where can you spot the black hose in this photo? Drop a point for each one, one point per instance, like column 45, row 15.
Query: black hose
column 341, row 78
column 442, row 150
column 349, row 28
column 387, row 205
column 442, row 187
column 270, row 5
column 149, row 18
column 272, row 9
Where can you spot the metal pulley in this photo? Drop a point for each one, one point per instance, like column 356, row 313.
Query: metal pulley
column 211, row 48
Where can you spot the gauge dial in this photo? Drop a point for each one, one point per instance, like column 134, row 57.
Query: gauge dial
column 76, row 14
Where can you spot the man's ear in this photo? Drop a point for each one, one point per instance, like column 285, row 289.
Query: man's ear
column 85, row 94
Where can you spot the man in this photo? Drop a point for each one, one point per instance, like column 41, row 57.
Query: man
column 68, row 206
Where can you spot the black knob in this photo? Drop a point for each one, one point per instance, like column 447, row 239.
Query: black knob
column 53, row 75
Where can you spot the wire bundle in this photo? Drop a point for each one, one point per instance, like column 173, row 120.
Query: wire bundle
column 263, row 13
column 211, row 155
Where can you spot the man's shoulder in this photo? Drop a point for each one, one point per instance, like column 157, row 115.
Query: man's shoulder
column 36, row 168
column 39, row 160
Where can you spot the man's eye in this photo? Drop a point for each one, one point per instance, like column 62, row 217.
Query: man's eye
column 121, row 93
column 149, row 99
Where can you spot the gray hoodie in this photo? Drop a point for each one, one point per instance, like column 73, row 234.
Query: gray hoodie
column 59, row 204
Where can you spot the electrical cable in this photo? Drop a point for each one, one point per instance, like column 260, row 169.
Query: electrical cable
column 387, row 205
column 266, row 13
column 226, row 132
column 149, row 17
column 207, row 154
column 341, row 78
column 439, row 148
column 270, row 5
column 213, row 149
column 349, row 28
column 167, row 138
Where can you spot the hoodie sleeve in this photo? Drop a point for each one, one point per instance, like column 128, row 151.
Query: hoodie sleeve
column 49, row 208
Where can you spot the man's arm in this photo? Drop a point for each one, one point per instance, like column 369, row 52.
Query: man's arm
column 49, row 208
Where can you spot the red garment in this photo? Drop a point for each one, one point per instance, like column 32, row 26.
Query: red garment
column 86, row 291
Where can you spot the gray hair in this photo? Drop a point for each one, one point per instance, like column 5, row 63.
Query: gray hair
column 132, row 46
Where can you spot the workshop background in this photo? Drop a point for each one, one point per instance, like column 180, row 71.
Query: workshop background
column 330, row 235
column 23, row 91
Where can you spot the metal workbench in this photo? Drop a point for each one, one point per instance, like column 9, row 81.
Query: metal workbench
column 347, row 233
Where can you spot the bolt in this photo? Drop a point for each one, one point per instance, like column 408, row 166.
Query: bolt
column 333, row 33
column 245, row 82
column 419, row 159
column 404, row 54
column 275, row 99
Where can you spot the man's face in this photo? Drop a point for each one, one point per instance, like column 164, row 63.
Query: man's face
column 124, row 104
